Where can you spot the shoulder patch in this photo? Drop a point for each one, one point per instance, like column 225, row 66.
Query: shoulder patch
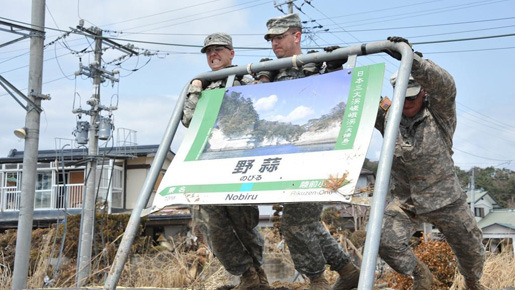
column 385, row 104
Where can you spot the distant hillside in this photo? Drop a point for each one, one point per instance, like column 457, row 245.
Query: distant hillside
column 500, row 183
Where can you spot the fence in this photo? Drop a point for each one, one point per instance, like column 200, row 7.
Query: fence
column 59, row 197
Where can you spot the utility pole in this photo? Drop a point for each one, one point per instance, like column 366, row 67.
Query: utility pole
column 99, row 128
column 472, row 192
column 30, row 156
column 290, row 5
column 88, row 212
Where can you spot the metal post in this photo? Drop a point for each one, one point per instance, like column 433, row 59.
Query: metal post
column 366, row 278
column 472, row 193
column 88, row 213
column 132, row 226
column 30, row 155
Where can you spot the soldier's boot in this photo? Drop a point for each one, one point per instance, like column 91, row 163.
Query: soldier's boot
column 249, row 279
column 319, row 283
column 349, row 278
column 263, row 280
column 422, row 277
column 474, row 285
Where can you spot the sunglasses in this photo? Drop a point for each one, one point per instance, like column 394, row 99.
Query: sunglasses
column 217, row 48
column 280, row 36
column 411, row 99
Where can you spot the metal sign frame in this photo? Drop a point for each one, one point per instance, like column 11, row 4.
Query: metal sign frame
column 373, row 236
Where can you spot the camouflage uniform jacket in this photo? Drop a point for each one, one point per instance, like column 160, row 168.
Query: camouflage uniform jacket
column 423, row 173
column 311, row 245
column 194, row 94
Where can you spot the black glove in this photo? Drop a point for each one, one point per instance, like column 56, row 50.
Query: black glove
column 331, row 48
column 312, row 68
column 396, row 39
column 334, row 64
column 268, row 74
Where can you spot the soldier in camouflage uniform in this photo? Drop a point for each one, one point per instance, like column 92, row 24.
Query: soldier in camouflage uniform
column 424, row 184
column 311, row 245
column 231, row 231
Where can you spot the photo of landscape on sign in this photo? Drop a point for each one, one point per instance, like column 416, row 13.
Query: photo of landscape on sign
column 277, row 119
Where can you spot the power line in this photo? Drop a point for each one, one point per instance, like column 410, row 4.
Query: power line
column 464, row 39
column 339, row 31
column 202, row 13
column 427, row 25
column 482, row 157
column 469, row 50
column 492, row 120
column 402, row 16
column 160, row 13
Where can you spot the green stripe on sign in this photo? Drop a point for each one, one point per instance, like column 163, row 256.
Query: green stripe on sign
column 235, row 187
column 366, row 83
column 208, row 106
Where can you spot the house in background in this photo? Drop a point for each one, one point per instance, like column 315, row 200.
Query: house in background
column 60, row 182
column 497, row 223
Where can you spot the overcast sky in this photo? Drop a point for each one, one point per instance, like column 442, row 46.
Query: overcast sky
column 473, row 40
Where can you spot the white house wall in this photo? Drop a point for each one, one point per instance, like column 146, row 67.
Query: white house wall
column 136, row 178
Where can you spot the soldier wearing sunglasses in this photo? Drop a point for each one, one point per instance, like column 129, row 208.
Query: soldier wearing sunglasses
column 423, row 184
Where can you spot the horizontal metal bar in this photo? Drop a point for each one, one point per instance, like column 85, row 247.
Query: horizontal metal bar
column 287, row 62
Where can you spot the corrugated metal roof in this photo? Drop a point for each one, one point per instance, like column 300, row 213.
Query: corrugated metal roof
column 502, row 217
column 81, row 153
column 478, row 194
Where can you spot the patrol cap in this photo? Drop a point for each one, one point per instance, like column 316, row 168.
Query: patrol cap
column 281, row 24
column 218, row 38
column 413, row 86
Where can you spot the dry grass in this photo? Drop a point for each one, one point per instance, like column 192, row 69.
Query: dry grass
column 5, row 273
column 498, row 272
column 190, row 266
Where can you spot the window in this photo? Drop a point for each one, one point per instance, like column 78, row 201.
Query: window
column 479, row 212
column 11, row 190
column 43, row 196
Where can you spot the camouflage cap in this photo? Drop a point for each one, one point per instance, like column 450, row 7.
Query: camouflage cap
column 413, row 86
column 218, row 38
column 281, row 24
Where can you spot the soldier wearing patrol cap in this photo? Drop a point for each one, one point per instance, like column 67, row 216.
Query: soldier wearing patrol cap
column 220, row 39
column 231, row 231
column 311, row 245
column 281, row 24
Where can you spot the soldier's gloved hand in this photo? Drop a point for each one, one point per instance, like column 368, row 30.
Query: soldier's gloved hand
column 313, row 67
column 265, row 76
column 396, row 39
column 334, row 64
column 331, row 48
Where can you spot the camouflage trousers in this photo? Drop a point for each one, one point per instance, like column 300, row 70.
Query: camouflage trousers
column 232, row 235
column 311, row 245
column 454, row 221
